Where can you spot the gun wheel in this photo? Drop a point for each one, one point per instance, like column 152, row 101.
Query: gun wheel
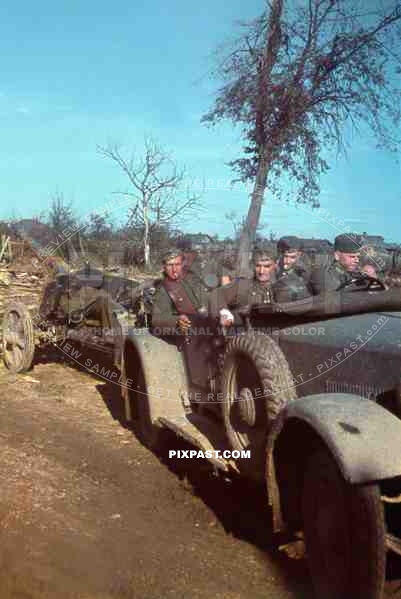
column 18, row 341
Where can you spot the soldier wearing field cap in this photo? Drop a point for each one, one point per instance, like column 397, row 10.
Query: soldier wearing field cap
column 343, row 269
column 290, row 252
column 179, row 295
column 292, row 273
column 245, row 291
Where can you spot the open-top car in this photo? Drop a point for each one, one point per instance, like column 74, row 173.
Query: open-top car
column 305, row 394
column 312, row 389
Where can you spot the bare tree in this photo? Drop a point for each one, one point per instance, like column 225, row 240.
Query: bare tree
column 100, row 227
column 294, row 78
column 64, row 222
column 238, row 222
column 60, row 215
column 160, row 199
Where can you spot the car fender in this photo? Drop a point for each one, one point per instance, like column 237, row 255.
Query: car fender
column 164, row 371
column 363, row 438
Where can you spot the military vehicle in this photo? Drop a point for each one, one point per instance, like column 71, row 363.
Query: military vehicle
column 305, row 394
column 312, row 389
column 82, row 305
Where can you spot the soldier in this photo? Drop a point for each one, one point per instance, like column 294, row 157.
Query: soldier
column 290, row 253
column 292, row 273
column 179, row 295
column 343, row 269
column 244, row 291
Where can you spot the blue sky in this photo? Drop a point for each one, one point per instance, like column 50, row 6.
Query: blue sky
column 77, row 74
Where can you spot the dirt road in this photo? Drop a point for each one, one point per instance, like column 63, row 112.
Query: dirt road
column 86, row 512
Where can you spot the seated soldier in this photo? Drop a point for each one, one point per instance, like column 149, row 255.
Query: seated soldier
column 292, row 273
column 178, row 296
column 343, row 269
column 245, row 291
column 290, row 252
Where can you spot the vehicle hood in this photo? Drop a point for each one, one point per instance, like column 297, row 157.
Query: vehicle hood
column 377, row 331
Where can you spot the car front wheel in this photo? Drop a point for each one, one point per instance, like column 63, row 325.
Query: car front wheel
column 344, row 532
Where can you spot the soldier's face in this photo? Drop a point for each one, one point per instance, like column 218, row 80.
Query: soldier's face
column 264, row 269
column 174, row 268
column 290, row 258
column 349, row 261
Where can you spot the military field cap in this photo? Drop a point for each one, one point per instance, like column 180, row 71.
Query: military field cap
column 349, row 243
column 290, row 242
column 171, row 253
column 260, row 255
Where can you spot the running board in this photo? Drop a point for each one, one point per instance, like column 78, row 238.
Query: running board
column 204, row 434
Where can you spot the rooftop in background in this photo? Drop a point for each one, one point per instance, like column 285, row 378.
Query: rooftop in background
column 316, row 245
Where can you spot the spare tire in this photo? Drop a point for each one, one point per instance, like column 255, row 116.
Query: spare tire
column 257, row 384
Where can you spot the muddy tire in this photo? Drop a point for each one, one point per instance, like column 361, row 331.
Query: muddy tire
column 257, row 383
column 344, row 532
column 18, row 338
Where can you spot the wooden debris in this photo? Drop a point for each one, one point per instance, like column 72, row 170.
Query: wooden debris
column 5, row 243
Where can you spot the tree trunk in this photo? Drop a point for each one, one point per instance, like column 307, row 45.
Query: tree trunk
column 266, row 65
column 248, row 233
column 146, row 246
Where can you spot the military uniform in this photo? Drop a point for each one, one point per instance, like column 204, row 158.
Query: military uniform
column 241, row 292
column 292, row 282
column 172, row 298
column 292, row 285
column 334, row 276
column 247, row 291
column 331, row 277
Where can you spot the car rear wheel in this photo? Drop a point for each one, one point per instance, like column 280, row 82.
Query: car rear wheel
column 344, row 533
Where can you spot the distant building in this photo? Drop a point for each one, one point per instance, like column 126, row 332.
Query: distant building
column 374, row 240
column 317, row 246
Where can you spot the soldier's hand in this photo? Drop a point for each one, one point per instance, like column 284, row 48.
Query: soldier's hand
column 226, row 318
column 183, row 323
